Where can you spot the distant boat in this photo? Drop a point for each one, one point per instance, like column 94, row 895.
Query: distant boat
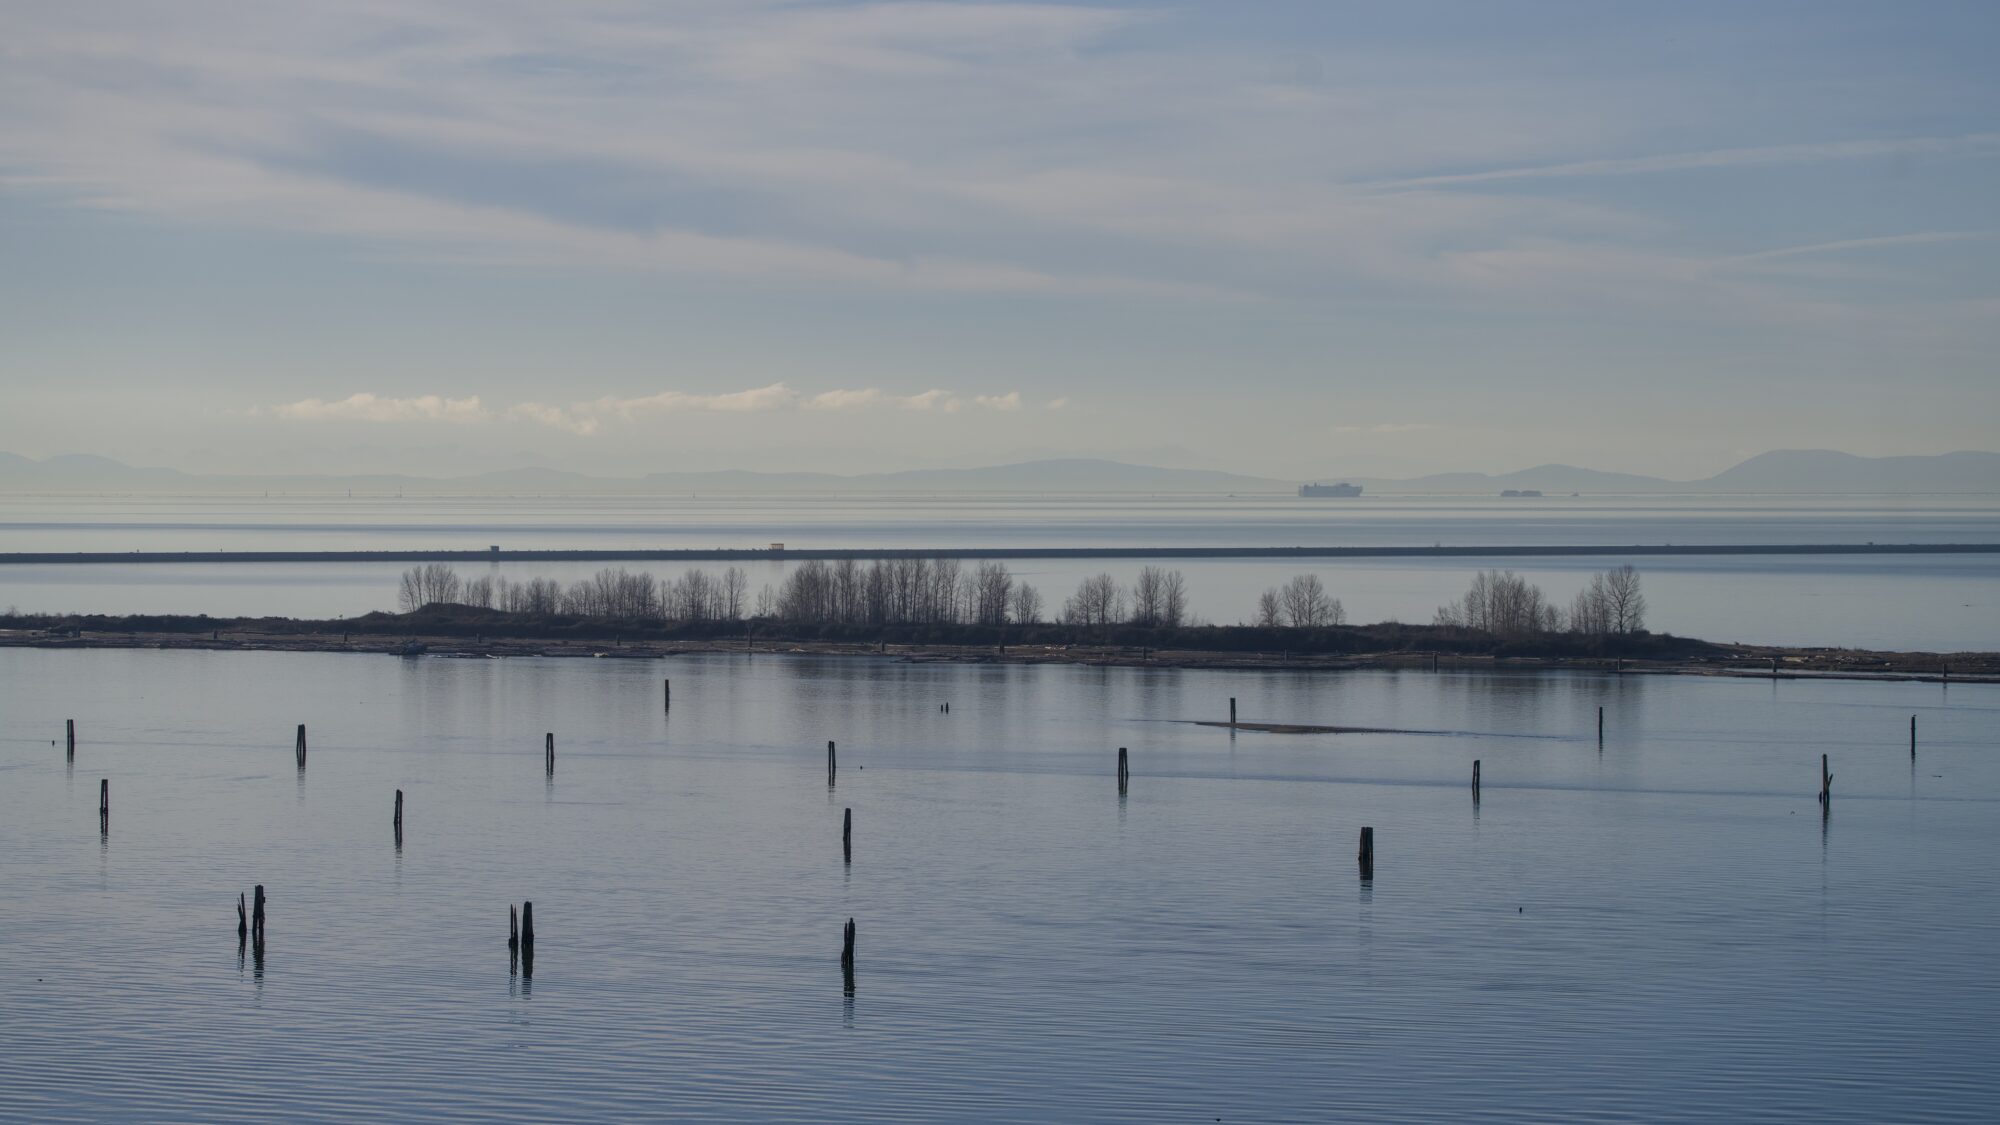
column 1343, row 489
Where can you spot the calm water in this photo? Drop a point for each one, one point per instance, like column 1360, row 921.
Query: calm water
column 1663, row 930
column 1938, row 603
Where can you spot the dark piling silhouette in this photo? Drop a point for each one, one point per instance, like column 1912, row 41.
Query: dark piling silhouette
column 71, row 724
column 847, row 946
column 847, row 836
column 398, row 822
column 299, row 745
column 257, row 916
column 527, row 939
column 104, row 797
column 1232, row 710
column 513, row 929
column 1124, row 770
column 549, row 750
column 242, row 921
column 666, row 695
column 1367, row 856
column 1913, row 738
column 1475, row 779
column 1600, row 728
column 1825, row 786
column 829, row 762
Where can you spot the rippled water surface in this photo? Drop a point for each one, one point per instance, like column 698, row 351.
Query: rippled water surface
column 1663, row 929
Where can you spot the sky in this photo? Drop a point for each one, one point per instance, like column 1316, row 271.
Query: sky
column 1292, row 239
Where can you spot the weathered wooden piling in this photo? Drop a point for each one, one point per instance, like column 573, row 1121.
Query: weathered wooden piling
column 1913, row 738
column 549, row 750
column 299, row 746
column 513, row 929
column 1124, row 769
column 1475, row 779
column 399, row 815
column 71, row 732
column 242, row 920
column 1825, row 784
column 847, row 836
column 1600, row 726
column 257, row 915
column 528, row 928
column 667, row 695
column 1367, row 856
column 847, row 945
column 104, row 797
column 1232, row 710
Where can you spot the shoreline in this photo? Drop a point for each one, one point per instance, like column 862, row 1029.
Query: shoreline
column 1760, row 662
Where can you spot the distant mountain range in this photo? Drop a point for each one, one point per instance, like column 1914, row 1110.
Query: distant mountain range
column 1782, row 471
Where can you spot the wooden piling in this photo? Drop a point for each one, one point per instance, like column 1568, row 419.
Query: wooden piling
column 104, row 797
column 667, row 695
column 399, row 814
column 299, row 747
column 847, row 945
column 1367, row 856
column 829, row 761
column 847, row 836
column 528, row 928
column 549, row 749
column 71, row 730
column 242, row 920
column 1600, row 726
column 1232, row 710
column 1825, row 784
column 257, row 915
column 1913, row 738
column 1124, row 769
column 1475, row 779
column 513, row 928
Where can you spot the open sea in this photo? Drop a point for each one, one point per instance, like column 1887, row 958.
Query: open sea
column 1909, row 602
column 1658, row 928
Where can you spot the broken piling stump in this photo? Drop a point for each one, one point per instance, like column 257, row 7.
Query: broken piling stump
column 829, row 761
column 1232, row 710
column 299, row 745
column 104, row 797
column 257, row 915
column 1475, row 779
column 1124, row 770
column 398, row 822
column 1367, row 856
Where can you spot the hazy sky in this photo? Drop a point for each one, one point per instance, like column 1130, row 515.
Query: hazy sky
column 1296, row 239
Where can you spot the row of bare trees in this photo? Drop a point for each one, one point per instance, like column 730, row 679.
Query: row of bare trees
column 1301, row 603
column 902, row 591
column 695, row 596
column 1504, row 604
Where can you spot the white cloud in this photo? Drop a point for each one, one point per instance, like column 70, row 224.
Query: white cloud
column 553, row 416
column 366, row 407
column 1057, row 403
column 1009, row 401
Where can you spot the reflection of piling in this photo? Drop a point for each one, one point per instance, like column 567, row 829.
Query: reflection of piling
column 299, row 745
column 847, row 836
column 666, row 695
column 1475, row 779
column 829, row 761
column 549, row 750
column 72, row 739
column 257, row 915
column 1124, row 769
column 1367, row 856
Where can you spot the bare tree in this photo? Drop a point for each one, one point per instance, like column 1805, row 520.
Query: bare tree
column 1336, row 614
column 1305, row 602
column 1625, row 606
column 1097, row 601
column 428, row 584
column 1149, row 597
column 479, row 592
column 1502, row 603
column 735, row 584
column 1027, row 605
column 992, row 590
column 1270, row 609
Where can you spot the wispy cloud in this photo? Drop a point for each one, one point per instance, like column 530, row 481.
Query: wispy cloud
column 1966, row 144
column 366, row 407
column 587, row 417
